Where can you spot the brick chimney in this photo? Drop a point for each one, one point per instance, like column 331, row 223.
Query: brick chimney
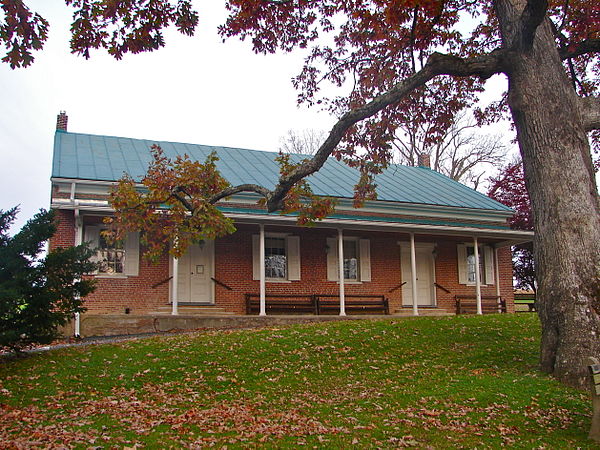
column 61, row 121
column 424, row 160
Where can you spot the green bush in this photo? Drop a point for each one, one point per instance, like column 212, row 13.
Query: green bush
column 38, row 293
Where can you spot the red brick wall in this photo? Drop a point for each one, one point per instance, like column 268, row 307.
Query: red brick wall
column 233, row 267
column 446, row 275
column 65, row 229
column 113, row 294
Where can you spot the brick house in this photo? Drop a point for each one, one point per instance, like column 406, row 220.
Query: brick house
column 425, row 230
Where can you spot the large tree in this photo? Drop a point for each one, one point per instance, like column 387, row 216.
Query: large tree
column 390, row 54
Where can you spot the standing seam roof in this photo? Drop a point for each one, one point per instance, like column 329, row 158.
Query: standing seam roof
column 107, row 158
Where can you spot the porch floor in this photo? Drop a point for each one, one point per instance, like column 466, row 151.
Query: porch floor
column 122, row 324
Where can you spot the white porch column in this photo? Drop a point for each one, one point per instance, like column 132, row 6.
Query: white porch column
column 78, row 241
column 497, row 276
column 341, row 272
column 261, row 259
column 174, row 283
column 477, row 275
column 413, row 274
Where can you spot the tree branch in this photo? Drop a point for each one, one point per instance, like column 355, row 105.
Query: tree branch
column 583, row 47
column 437, row 64
column 177, row 195
column 590, row 111
column 531, row 18
column 241, row 188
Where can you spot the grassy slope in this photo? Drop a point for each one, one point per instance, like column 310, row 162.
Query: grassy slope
column 441, row 382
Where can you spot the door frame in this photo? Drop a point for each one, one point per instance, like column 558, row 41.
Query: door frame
column 420, row 248
column 207, row 243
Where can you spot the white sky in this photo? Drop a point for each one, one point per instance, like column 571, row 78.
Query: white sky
column 196, row 90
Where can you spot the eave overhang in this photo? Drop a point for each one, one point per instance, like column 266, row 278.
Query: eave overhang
column 344, row 205
column 506, row 236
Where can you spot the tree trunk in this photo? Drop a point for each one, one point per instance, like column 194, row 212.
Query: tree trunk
column 564, row 197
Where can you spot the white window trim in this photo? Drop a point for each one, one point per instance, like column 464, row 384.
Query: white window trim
column 356, row 280
column 333, row 250
column 287, row 262
column 484, row 251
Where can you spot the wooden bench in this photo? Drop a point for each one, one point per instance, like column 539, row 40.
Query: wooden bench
column 490, row 304
column 317, row 304
column 282, row 304
column 526, row 299
column 365, row 304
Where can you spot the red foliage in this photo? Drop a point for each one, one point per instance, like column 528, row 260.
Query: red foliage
column 509, row 189
column 171, row 209
column 365, row 47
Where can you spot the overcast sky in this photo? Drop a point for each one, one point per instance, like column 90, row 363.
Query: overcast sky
column 196, row 90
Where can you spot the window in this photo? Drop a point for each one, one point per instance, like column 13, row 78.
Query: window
column 471, row 264
column 350, row 260
column 466, row 264
column 282, row 257
column 110, row 257
column 357, row 259
column 275, row 258
column 119, row 258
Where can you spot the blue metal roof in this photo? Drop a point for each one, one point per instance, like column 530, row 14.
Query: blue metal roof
column 107, row 158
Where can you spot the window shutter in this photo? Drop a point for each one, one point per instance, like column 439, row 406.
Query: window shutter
column 488, row 253
column 92, row 236
column 132, row 254
column 365, row 260
column 332, row 259
column 461, row 258
column 255, row 257
column 293, row 257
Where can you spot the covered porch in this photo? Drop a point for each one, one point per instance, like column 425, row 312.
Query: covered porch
column 423, row 268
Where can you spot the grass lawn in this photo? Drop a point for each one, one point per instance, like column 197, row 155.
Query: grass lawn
column 426, row 382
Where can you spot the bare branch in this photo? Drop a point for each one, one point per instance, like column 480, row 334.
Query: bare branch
column 531, row 18
column 437, row 64
column 302, row 142
column 461, row 152
column 590, row 110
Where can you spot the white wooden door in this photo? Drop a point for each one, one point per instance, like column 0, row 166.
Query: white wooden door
column 196, row 267
column 425, row 276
